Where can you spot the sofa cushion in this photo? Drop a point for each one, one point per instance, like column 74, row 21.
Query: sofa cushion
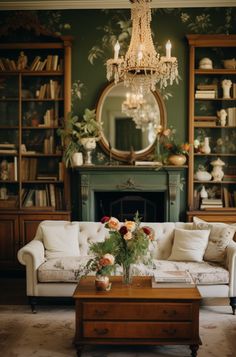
column 189, row 245
column 60, row 241
column 67, row 269
column 221, row 235
column 202, row 272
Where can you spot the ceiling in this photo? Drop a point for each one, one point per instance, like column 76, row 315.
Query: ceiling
column 106, row 4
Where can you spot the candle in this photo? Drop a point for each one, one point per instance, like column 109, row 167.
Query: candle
column 116, row 50
column 168, row 49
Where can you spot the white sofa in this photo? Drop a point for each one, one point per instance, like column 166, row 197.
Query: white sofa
column 53, row 274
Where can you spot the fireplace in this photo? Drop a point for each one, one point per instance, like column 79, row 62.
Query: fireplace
column 120, row 191
column 123, row 205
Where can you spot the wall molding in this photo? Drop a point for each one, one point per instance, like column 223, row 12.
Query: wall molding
column 106, row 4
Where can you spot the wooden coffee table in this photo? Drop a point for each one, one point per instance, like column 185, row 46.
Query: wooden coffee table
column 136, row 315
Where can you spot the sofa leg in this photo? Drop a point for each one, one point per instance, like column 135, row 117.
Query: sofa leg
column 33, row 303
column 233, row 303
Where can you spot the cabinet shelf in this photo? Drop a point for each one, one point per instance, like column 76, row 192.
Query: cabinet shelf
column 222, row 139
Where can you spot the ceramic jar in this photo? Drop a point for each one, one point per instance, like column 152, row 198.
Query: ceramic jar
column 217, row 172
column 202, row 176
column 177, row 160
column 77, row 159
column 102, row 283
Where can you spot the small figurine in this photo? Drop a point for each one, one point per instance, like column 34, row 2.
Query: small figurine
column 22, row 61
column 222, row 114
column 226, row 85
column 4, row 174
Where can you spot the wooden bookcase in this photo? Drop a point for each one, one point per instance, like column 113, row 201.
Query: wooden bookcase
column 204, row 122
column 35, row 96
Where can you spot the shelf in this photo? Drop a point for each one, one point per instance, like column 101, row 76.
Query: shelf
column 214, row 154
column 215, row 182
column 215, row 71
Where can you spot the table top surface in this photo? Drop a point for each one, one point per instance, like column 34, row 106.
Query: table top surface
column 141, row 288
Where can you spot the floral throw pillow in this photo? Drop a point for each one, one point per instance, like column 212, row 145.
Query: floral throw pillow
column 221, row 235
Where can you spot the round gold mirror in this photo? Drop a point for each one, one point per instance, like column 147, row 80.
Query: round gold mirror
column 129, row 121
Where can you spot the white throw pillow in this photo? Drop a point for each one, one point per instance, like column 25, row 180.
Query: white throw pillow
column 220, row 236
column 189, row 245
column 61, row 241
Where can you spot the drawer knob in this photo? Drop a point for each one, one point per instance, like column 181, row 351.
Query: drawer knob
column 170, row 312
column 171, row 331
column 101, row 331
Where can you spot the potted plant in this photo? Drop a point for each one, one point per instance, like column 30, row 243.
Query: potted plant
column 78, row 134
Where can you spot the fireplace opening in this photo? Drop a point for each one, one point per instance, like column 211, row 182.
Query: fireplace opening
column 123, row 205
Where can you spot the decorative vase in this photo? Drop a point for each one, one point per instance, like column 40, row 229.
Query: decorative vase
column 203, row 193
column 127, row 274
column 89, row 144
column 217, row 172
column 205, row 149
column 177, row 160
column 202, row 175
column 77, row 159
column 226, row 85
column 158, row 155
column 102, row 283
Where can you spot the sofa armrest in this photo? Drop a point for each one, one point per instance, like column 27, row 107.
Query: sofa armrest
column 32, row 256
column 231, row 266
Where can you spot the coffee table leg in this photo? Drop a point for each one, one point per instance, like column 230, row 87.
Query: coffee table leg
column 194, row 349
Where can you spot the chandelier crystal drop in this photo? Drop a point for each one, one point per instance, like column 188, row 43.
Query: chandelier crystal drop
column 143, row 113
column 142, row 67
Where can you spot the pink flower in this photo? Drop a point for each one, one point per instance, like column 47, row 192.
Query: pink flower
column 113, row 223
column 107, row 259
column 128, row 236
column 130, row 225
column 105, row 219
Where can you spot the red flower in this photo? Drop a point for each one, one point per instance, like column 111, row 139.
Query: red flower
column 123, row 230
column 146, row 230
column 105, row 219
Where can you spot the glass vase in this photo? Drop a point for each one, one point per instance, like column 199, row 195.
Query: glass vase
column 127, row 274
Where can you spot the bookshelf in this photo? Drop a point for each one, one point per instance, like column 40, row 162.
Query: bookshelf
column 212, row 120
column 35, row 95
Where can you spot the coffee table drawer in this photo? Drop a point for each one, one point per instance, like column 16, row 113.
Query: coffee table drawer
column 137, row 311
column 139, row 330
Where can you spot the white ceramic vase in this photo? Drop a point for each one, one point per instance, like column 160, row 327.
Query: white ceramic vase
column 217, row 172
column 206, row 149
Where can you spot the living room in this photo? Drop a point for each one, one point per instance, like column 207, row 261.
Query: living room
column 117, row 176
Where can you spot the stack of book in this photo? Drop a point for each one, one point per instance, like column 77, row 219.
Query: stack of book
column 211, row 203
column 205, row 121
column 172, row 279
column 206, row 91
column 7, row 148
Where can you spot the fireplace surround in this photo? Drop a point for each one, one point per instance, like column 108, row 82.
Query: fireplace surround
column 159, row 187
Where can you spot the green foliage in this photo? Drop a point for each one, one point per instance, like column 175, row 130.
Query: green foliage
column 89, row 126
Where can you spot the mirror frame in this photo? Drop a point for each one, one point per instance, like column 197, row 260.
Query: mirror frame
column 120, row 154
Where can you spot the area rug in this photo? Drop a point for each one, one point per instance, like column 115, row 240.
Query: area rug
column 49, row 333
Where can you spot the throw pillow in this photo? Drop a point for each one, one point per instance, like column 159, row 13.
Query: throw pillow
column 189, row 245
column 220, row 236
column 61, row 241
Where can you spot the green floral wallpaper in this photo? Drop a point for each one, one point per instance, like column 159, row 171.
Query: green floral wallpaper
column 96, row 31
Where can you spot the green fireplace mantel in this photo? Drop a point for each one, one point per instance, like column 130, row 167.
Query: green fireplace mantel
column 91, row 179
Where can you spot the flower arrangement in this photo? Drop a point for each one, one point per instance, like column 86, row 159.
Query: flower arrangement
column 126, row 244
column 167, row 145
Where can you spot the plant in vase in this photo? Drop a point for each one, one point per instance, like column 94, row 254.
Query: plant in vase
column 127, row 242
column 175, row 153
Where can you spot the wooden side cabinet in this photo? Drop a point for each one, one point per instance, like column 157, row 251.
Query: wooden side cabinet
column 16, row 230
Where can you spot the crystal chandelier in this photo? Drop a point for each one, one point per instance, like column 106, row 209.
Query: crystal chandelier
column 142, row 67
column 143, row 113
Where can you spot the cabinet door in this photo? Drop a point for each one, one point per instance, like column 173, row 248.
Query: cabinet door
column 29, row 224
column 9, row 240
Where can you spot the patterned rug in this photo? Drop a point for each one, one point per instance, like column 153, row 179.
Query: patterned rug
column 49, row 333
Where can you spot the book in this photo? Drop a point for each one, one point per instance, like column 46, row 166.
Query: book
column 212, row 200
column 205, row 95
column 163, row 285
column 173, row 276
column 147, row 163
